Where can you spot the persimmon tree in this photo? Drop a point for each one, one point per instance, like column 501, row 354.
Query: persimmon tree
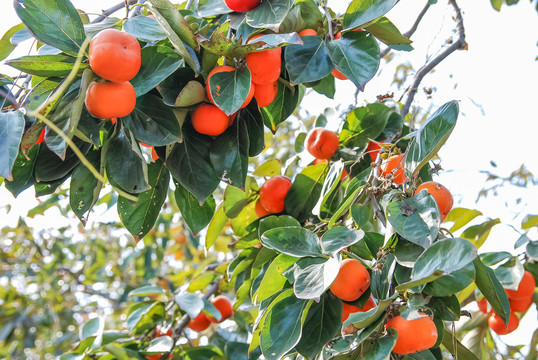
column 321, row 260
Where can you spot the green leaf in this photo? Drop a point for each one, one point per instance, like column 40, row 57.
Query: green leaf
column 229, row 89
column 253, row 123
column 190, row 164
column 145, row 317
column 478, row 234
column 461, row 217
column 529, row 221
column 190, row 303
column 381, row 348
column 305, row 191
column 329, row 186
column 177, row 30
column 281, row 108
column 195, row 215
column 339, row 238
column 85, row 188
column 273, row 280
column 269, row 14
column 269, row 168
column 308, row 62
column 158, row 63
column 161, row 344
column 446, row 255
column 215, row 227
column 496, row 4
column 273, row 222
column 56, row 23
column 384, row 30
column 326, row 86
column 91, row 328
column 356, row 55
column 11, row 129
column 532, row 250
column 144, row 28
column 212, row 7
column 454, row 346
column 364, row 123
column 6, row 47
column 451, row 283
column 229, row 154
column 152, row 122
column 283, row 327
column 360, row 12
column 147, row 290
column 322, row 322
column 22, row 172
column 46, row 65
column 293, row 241
column 49, row 167
column 381, row 280
column 363, row 319
column 140, row 217
column 234, row 201
column 125, row 164
column 431, row 136
column 314, row 275
column 417, row 218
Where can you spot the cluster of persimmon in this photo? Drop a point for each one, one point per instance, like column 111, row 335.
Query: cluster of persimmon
column 114, row 56
column 520, row 301
column 264, row 68
column 202, row 321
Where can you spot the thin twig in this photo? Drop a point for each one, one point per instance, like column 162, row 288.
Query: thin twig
column 329, row 19
column 10, row 98
column 458, row 44
column 189, row 4
column 378, row 213
column 413, row 28
column 138, row 8
column 24, row 85
column 106, row 13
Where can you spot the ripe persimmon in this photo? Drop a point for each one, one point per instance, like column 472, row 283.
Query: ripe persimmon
column 321, row 143
column 352, row 280
column 110, row 100
column 224, row 68
column 496, row 324
column 224, row 306
column 483, row 305
column 260, row 210
column 349, row 309
column 413, row 335
column 273, row 193
column 373, row 149
column 199, row 323
column 159, row 331
column 525, row 288
column 520, row 305
column 308, row 32
column 264, row 65
column 265, row 93
column 394, row 165
column 209, row 119
column 242, row 5
column 440, row 193
column 115, row 55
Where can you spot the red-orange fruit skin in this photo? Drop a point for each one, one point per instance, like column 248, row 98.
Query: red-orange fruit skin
column 322, row 143
column 273, row 193
column 349, row 309
column 264, row 65
column 199, row 323
column 413, row 335
column 224, row 306
column 395, row 165
column 266, row 93
column 208, row 119
column 496, row 324
column 441, row 194
column 352, row 280
column 110, row 99
column 525, row 288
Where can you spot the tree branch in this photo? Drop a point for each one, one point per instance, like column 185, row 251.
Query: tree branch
column 138, row 8
column 106, row 13
column 329, row 20
column 458, row 44
column 413, row 28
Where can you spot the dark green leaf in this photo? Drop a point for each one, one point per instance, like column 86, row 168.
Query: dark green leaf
column 322, row 322
column 125, row 164
column 451, row 283
column 229, row 89
column 293, row 241
column 326, row 86
column 152, row 122
column 190, row 164
column 11, row 129
column 49, row 167
column 195, row 215
column 158, row 62
column 356, row 55
column 361, row 12
column 388, row 33
column 446, row 308
column 173, row 22
column 46, row 65
column 85, row 188
column 381, row 280
column 229, row 154
column 144, row 28
column 56, row 23
column 364, row 123
column 253, row 120
column 305, row 191
column 380, row 349
column 417, row 219
column 269, row 14
column 281, row 108
column 454, row 346
column 147, row 290
column 363, row 319
column 140, row 217
column 431, row 136
column 308, row 62
column 22, row 172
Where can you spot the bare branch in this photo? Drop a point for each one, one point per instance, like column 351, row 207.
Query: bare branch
column 106, row 13
column 429, row 66
column 413, row 28
column 329, row 19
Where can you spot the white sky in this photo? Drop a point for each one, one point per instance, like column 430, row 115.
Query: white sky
column 498, row 72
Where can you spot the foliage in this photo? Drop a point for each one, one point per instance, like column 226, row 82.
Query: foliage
column 279, row 267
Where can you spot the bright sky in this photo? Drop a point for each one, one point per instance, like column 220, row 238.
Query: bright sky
column 494, row 81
